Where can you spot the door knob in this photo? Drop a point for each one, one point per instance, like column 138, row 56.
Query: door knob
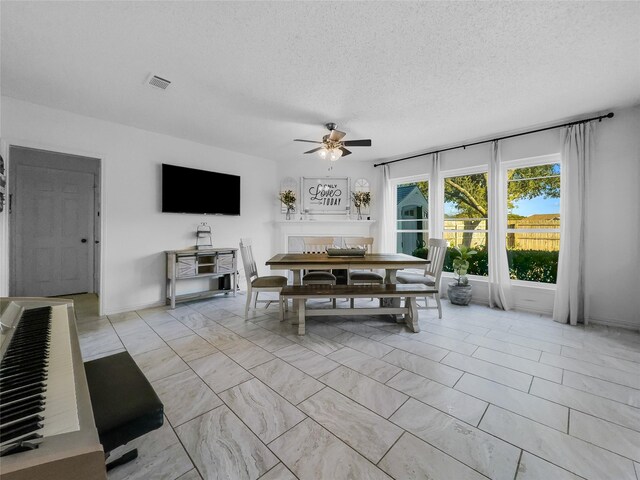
column 84, row 240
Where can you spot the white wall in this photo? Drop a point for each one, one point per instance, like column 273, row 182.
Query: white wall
column 136, row 233
column 613, row 230
column 613, row 222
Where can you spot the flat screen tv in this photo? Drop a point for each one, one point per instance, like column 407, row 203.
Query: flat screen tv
column 189, row 190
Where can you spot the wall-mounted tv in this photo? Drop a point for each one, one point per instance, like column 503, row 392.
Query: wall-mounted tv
column 189, row 190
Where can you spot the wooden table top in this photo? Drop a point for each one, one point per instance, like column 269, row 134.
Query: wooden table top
column 379, row 260
column 355, row 290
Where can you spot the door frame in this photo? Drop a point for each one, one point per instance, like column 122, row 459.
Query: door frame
column 100, row 224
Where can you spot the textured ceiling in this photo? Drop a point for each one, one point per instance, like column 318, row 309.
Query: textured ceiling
column 251, row 76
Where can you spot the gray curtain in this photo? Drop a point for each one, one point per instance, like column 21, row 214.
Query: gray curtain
column 569, row 304
column 499, row 281
column 386, row 226
column 435, row 199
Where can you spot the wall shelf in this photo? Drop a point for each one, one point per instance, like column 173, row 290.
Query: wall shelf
column 313, row 222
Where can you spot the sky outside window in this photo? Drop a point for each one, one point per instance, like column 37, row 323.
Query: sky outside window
column 539, row 190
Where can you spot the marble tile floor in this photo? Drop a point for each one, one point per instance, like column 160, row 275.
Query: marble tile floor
column 479, row 394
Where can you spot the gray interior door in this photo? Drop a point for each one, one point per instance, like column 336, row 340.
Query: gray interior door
column 53, row 231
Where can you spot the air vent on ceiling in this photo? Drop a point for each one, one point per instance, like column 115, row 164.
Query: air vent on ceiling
column 158, row 82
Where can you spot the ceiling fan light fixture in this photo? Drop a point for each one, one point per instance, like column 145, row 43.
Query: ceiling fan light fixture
column 323, row 153
column 330, row 151
column 335, row 154
column 332, row 147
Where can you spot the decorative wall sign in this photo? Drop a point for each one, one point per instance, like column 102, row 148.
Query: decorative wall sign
column 328, row 195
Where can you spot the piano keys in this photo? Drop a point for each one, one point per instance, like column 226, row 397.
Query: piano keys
column 46, row 421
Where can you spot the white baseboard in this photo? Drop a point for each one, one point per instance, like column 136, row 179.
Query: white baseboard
column 132, row 308
column 532, row 308
column 615, row 323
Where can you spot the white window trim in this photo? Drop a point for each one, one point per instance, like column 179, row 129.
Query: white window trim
column 530, row 284
column 394, row 187
column 517, row 283
column 522, row 163
column 458, row 172
column 481, row 168
column 531, row 162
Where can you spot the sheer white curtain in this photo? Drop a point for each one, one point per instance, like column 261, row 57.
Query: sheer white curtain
column 569, row 304
column 388, row 217
column 436, row 199
column 499, row 281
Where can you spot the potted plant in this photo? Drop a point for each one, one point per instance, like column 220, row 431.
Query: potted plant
column 459, row 292
column 361, row 199
column 288, row 198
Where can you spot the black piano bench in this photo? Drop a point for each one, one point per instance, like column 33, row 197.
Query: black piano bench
column 125, row 406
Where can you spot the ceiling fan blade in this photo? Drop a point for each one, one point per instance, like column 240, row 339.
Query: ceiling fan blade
column 314, row 150
column 345, row 152
column 308, row 141
column 336, row 135
column 357, row 143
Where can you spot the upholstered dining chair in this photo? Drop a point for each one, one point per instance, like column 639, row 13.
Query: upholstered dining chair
column 433, row 271
column 361, row 277
column 317, row 245
column 257, row 284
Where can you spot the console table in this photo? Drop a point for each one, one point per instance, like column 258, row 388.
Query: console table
column 219, row 265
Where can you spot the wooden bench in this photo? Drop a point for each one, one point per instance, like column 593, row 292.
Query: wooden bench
column 407, row 291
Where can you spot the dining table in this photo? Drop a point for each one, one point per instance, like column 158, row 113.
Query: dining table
column 390, row 262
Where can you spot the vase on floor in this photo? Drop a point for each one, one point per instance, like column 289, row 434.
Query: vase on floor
column 459, row 294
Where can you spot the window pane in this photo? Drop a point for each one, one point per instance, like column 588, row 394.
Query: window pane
column 412, row 243
column 547, row 241
column 465, row 219
column 412, row 203
column 412, row 211
column 540, row 171
column 533, row 256
column 478, row 263
column 413, row 224
column 465, row 197
column 534, row 197
column 533, row 204
column 465, row 224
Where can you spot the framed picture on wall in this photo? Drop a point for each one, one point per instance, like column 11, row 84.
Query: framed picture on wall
column 326, row 195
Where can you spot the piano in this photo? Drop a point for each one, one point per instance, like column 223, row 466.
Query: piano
column 47, row 430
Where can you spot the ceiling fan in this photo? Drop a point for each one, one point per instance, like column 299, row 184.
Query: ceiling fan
column 332, row 144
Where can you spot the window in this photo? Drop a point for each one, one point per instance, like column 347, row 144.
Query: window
column 533, row 220
column 412, row 217
column 465, row 218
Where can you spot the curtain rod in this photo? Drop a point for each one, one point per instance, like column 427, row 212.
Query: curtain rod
column 599, row 118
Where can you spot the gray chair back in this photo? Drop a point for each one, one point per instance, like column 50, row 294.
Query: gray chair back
column 250, row 269
column 317, row 244
column 437, row 252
